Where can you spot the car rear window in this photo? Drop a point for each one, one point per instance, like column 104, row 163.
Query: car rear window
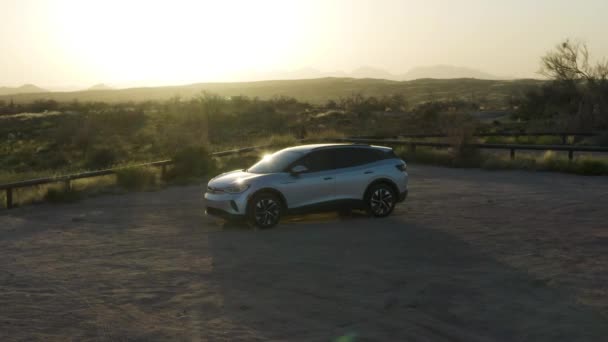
column 355, row 156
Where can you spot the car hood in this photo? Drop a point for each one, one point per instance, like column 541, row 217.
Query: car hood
column 227, row 179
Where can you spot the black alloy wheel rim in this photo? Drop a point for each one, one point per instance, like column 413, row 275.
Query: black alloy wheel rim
column 266, row 212
column 381, row 201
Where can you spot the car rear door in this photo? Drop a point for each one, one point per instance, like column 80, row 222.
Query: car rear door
column 354, row 171
column 313, row 187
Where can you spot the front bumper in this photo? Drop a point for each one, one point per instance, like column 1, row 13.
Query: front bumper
column 224, row 205
column 211, row 211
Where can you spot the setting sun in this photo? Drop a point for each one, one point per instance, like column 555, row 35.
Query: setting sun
column 178, row 41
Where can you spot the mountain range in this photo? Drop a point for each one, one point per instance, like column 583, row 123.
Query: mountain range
column 100, row 86
column 365, row 72
column 316, row 91
column 434, row 71
column 24, row 89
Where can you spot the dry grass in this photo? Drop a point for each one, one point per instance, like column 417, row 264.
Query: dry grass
column 56, row 192
column 549, row 161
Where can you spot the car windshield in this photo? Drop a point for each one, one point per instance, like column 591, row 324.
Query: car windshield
column 276, row 162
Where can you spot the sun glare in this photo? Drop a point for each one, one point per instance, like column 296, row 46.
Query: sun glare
column 179, row 40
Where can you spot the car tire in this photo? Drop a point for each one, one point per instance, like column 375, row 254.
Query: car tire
column 265, row 210
column 380, row 200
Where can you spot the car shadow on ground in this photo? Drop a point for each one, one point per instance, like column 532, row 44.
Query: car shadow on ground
column 323, row 217
column 381, row 279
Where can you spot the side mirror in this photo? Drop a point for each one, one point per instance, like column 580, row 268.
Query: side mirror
column 296, row 170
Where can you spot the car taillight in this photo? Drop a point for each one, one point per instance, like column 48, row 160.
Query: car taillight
column 401, row 167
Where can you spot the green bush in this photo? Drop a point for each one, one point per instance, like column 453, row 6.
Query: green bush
column 591, row 167
column 100, row 158
column 136, row 178
column 226, row 164
column 191, row 162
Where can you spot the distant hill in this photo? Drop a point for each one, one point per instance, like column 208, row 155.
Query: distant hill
column 371, row 72
column 100, row 86
column 446, row 72
column 312, row 90
column 24, row 89
column 434, row 71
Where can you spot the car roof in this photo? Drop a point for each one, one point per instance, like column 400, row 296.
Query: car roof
column 312, row 147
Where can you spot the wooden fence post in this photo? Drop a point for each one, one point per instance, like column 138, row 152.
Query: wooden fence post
column 512, row 154
column 9, row 198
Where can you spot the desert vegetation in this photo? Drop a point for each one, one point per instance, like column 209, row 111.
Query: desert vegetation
column 44, row 137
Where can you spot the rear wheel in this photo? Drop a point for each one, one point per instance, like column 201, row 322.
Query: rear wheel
column 381, row 200
column 265, row 210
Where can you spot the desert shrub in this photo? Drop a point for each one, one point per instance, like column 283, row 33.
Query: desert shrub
column 598, row 140
column 590, row 167
column 226, row 164
column 531, row 140
column 550, row 161
column 498, row 163
column 55, row 195
column 325, row 134
column 280, row 140
column 495, row 164
column 136, row 178
column 544, row 140
column 460, row 130
column 191, row 162
column 425, row 156
column 100, row 158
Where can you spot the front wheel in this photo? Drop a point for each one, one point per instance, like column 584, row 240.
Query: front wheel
column 265, row 211
column 381, row 200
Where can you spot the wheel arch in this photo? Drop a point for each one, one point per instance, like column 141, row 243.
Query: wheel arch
column 267, row 191
column 382, row 180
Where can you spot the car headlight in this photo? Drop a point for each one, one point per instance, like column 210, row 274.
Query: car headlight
column 237, row 188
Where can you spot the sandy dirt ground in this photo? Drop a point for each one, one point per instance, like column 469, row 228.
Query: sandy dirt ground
column 471, row 256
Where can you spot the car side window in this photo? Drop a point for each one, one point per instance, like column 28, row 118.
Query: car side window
column 316, row 161
column 355, row 156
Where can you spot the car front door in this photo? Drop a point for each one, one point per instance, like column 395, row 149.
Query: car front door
column 314, row 186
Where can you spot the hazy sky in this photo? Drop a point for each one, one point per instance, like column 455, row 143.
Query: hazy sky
column 56, row 43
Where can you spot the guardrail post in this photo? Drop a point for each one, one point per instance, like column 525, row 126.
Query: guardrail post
column 413, row 148
column 570, row 155
column 512, row 154
column 9, row 198
column 564, row 139
column 163, row 171
column 67, row 185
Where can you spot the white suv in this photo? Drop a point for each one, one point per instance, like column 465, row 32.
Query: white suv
column 310, row 178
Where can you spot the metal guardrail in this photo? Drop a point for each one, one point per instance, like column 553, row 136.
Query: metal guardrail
column 391, row 142
column 66, row 179
column 563, row 135
column 511, row 147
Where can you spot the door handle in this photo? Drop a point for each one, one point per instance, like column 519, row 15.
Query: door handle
column 328, row 178
column 368, row 172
